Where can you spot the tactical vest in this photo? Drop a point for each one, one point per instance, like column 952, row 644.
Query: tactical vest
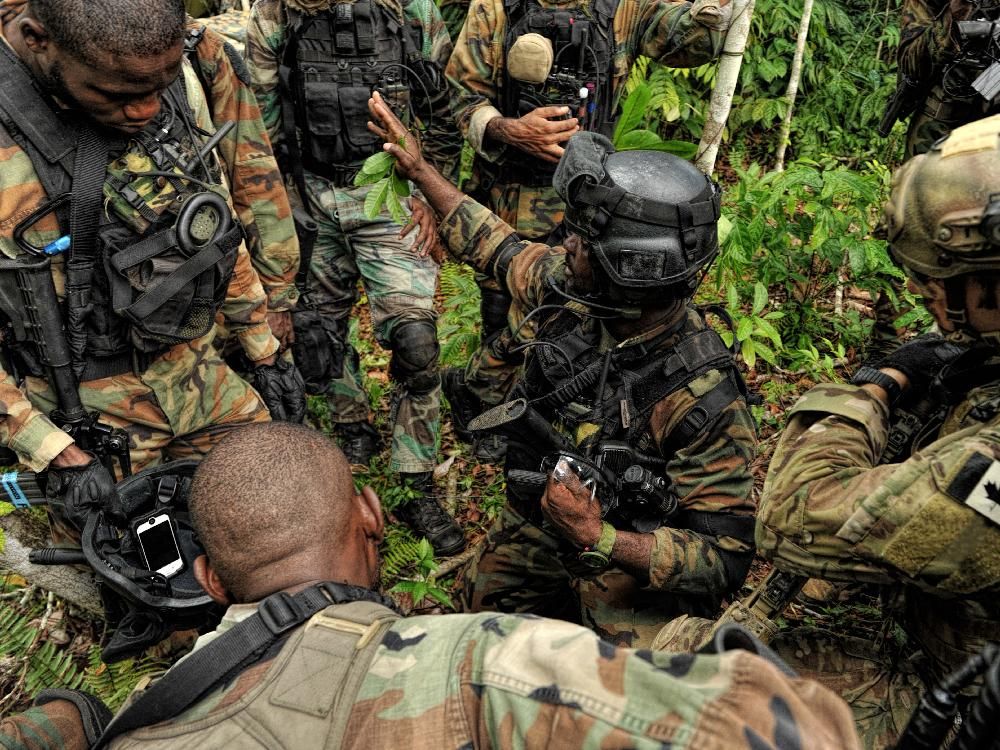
column 162, row 247
column 307, row 693
column 331, row 63
column 583, row 46
column 639, row 377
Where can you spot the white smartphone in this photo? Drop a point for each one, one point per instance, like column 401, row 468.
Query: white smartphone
column 159, row 545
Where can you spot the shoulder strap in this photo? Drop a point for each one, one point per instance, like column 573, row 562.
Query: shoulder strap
column 31, row 120
column 230, row 654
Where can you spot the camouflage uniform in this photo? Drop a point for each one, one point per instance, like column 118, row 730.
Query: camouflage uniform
column 187, row 397
column 486, row 681
column 399, row 285
column 829, row 511
column 928, row 44
column 659, row 29
column 527, row 568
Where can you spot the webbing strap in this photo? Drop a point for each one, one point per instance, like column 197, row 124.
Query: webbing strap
column 230, row 654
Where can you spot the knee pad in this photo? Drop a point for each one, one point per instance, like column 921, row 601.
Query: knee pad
column 415, row 353
column 493, row 307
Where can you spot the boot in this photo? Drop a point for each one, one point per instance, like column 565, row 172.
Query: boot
column 423, row 514
column 358, row 440
column 465, row 405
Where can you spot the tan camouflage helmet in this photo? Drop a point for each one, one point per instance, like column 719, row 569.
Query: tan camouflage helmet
column 943, row 216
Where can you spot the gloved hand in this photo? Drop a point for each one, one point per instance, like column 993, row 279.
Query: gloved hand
column 75, row 491
column 283, row 390
column 921, row 359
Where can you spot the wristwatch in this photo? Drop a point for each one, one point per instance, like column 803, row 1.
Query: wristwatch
column 877, row 377
column 599, row 555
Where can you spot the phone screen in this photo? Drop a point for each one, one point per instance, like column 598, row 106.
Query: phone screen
column 158, row 546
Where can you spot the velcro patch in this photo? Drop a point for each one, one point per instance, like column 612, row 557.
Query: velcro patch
column 979, row 136
column 977, row 485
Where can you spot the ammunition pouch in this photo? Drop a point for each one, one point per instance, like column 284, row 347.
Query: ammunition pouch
column 170, row 284
column 319, row 348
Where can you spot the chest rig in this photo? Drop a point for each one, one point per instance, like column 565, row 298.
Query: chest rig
column 152, row 241
column 331, row 63
column 583, row 52
column 602, row 402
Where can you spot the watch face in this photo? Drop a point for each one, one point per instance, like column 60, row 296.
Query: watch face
column 594, row 559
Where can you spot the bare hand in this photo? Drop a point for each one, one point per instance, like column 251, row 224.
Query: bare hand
column 399, row 141
column 536, row 133
column 282, row 328
column 427, row 242
column 71, row 455
column 572, row 508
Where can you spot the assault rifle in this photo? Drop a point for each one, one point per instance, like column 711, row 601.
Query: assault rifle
column 34, row 329
column 617, row 474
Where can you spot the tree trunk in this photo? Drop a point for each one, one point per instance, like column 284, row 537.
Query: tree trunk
column 725, row 86
column 793, row 84
column 68, row 582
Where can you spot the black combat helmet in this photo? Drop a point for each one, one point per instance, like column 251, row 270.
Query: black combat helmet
column 650, row 218
column 141, row 605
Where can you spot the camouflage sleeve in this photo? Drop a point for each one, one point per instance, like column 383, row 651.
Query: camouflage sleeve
column 665, row 31
column 54, row 726
column 474, row 72
column 472, row 233
column 442, row 144
column 509, row 681
column 932, row 521
column 924, row 35
column 255, row 182
column 265, row 38
column 710, row 475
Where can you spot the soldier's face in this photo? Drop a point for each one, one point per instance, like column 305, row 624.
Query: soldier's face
column 118, row 92
column 579, row 274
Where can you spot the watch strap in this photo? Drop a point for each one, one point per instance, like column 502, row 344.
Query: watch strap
column 867, row 375
column 598, row 555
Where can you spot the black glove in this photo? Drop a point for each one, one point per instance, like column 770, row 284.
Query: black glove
column 922, row 359
column 76, row 491
column 283, row 390
column 94, row 715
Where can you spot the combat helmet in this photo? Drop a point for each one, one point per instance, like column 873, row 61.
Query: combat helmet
column 650, row 218
column 142, row 606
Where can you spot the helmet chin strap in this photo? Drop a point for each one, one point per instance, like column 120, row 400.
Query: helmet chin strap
column 955, row 310
column 626, row 312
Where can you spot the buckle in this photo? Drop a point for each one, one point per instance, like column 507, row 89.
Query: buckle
column 280, row 612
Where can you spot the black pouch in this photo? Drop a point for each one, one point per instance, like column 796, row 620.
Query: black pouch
column 319, row 348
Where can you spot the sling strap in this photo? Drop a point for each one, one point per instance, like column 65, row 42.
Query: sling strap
column 231, row 653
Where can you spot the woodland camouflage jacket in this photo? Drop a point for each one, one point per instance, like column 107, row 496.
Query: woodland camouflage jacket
column 928, row 525
column 711, row 474
column 501, row 681
column 251, row 173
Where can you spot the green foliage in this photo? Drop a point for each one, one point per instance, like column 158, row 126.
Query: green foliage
column 804, row 232
column 633, row 133
column 388, row 188
column 458, row 326
column 423, row 585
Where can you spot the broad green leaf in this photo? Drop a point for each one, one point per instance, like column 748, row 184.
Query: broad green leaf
column 441, row 596
column 770, row 331
column 743, row 329
column 759, row 297
column 376, row 198
column 377, row 164
column 633, row 111
column 725, row 227
column 733, row 298
column 395, row 207
column 638, row 139
column 749, row 352
column 683, row 149
column 400, row 186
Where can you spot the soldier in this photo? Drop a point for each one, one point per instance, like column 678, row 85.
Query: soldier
column 924, row 526
column 360, row 676
column 526, row 76
column 628, row 375
column 101, row 104
column 936, row 67
column 332, row 55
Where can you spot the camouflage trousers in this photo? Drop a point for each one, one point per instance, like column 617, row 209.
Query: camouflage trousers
column 164, row 423
column 524, row 568
column 400, row 287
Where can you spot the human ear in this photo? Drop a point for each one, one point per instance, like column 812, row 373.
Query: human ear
column 207, row 578
column 36, row 37
column 371, row 513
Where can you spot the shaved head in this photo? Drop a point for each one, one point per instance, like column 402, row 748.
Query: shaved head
column 87, row 28
column 268, row 493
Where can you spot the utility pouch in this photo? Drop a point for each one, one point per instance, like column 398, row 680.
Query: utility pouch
column 354, row 109
column 171, row 284
column 319, row 348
